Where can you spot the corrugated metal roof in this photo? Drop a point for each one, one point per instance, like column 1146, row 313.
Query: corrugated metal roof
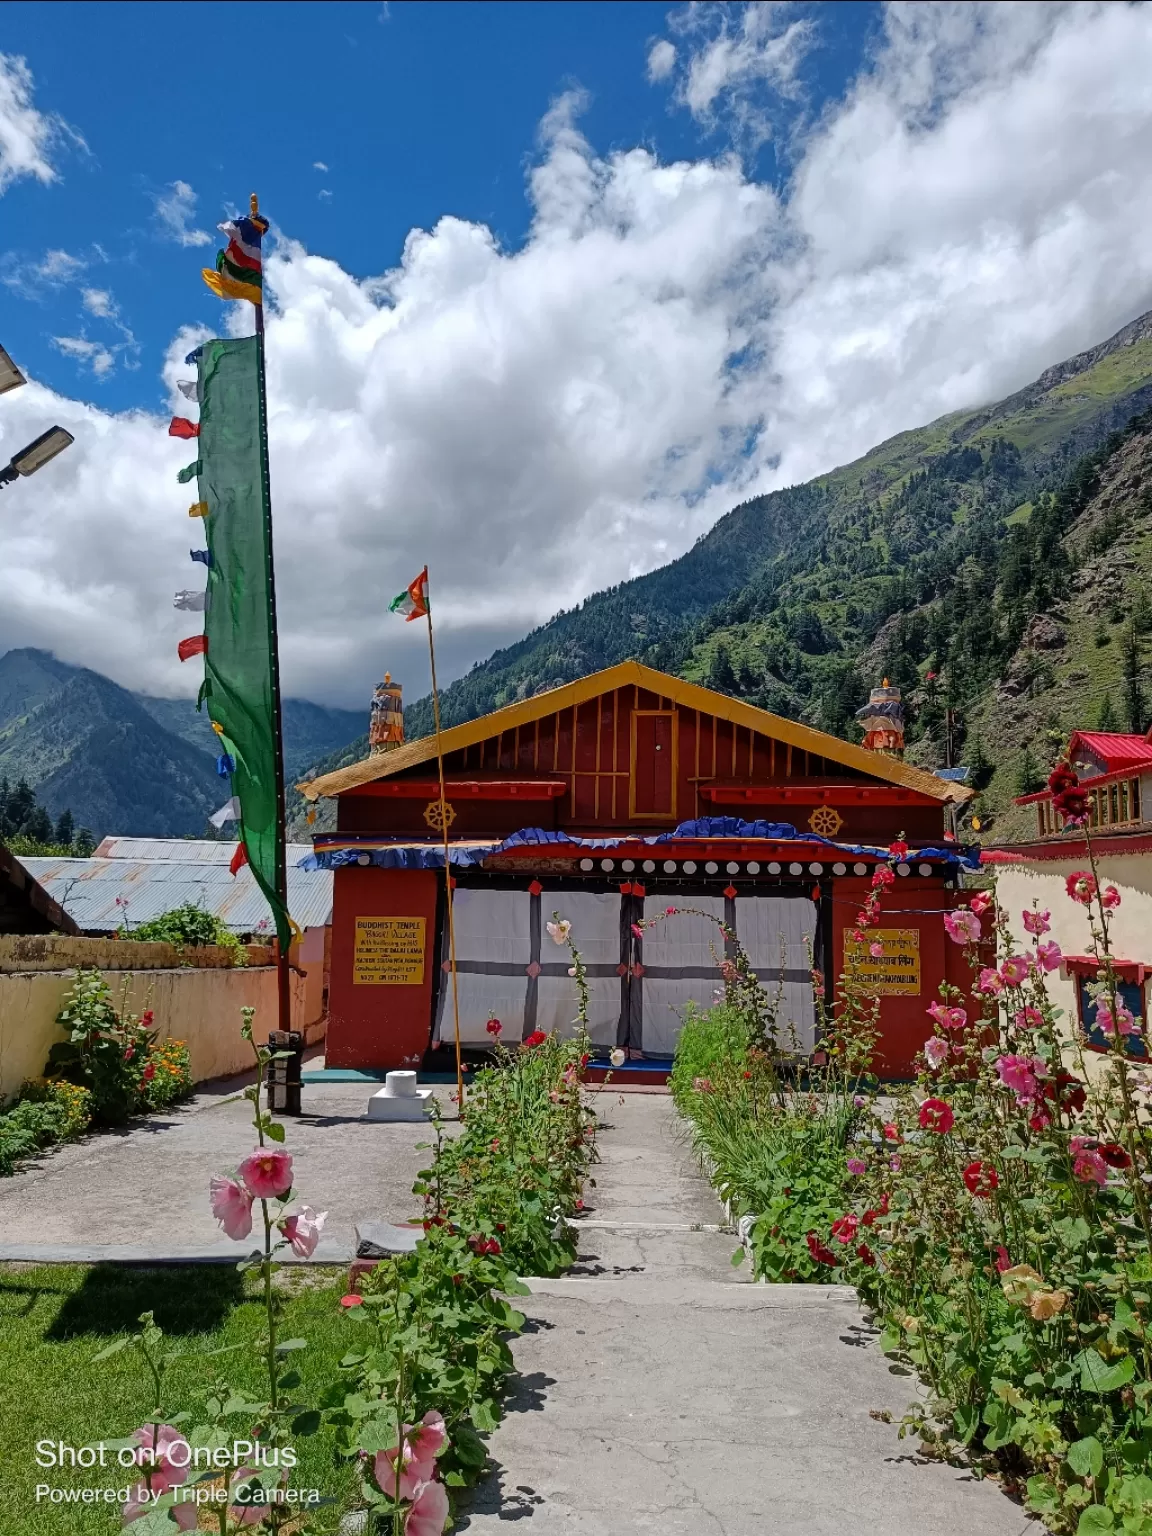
column 181, row 850
column 87, row 890
column 1116, row 749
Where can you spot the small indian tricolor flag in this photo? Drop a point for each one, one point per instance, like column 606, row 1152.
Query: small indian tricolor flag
column 413, row 603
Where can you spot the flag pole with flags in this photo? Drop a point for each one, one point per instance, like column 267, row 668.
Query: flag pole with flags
column 413, row 604
column 241, row 688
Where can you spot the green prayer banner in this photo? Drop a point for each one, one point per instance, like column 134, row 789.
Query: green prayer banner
column 239, row 672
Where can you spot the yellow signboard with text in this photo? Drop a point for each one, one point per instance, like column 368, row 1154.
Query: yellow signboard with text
column 389, row 952
column 894, row 972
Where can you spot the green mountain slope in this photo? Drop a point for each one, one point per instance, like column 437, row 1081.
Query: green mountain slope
column 128, row 763
column 927, row 555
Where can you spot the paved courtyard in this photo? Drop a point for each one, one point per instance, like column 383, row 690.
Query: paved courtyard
column 143, row 1191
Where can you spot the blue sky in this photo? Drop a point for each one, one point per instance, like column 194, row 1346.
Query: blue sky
column 575, row 280
column 416, row 110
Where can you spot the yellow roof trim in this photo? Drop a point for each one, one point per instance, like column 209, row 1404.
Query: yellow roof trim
column 624, row 674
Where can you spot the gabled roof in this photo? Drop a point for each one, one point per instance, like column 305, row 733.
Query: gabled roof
column 1115, row 749
column 626, row 674
column 25, row 906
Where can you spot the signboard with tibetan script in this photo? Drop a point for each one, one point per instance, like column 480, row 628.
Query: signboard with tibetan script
column 389, row 952
column 895, row 972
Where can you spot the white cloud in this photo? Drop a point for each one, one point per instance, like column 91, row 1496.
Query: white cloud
column 318, row 165
column 542, row 422
column 28, row 137
column 89, row 354
column 661, row 60
column 740, row 64
column 99, row 302
column 176, row 208
column 324, row 192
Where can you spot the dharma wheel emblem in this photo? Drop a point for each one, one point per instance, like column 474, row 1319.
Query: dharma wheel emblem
column 439, row 818
column 825, row 821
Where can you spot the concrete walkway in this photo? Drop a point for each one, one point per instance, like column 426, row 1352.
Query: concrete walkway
column 660, row 1391
column 141, row 1193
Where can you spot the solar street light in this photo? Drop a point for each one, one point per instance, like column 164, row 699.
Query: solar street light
column 10, row 375
column 37, row 454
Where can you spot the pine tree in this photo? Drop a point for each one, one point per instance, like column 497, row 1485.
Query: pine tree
column 720, row 673
column 65, row 829
column 1029, row 778
column 1133, row 693
column 83, row 844
column 980, row 765
column 1106, row 720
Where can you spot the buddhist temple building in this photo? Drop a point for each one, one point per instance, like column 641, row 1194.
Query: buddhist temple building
column 607, row 801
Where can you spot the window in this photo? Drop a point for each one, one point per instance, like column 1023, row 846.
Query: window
column 1131, row 994
column 1134, row 799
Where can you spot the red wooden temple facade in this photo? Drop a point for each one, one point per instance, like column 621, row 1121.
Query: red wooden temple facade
column 608, row 801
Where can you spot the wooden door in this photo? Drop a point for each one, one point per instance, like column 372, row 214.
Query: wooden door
column 653, row 778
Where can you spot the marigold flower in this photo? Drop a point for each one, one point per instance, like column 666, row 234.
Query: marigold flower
column 980, row 1179
column 936, row 1116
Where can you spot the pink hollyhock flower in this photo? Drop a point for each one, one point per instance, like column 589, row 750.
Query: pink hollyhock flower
column 422, row 1444
column 1019, row 1073
column 429, row 1513
column 164, row 1454
column 241, row 1486
column 891, row 1131
column 876, row 949
column 894, row 1164
column 1028, row 1018
column 990, row 981
column 1081, row 886
column 1089, row 1167
column 948, row 1018
column 1037, row 923
column 670, row 911
column 936, row 1116
column 267, row 1173
column 1014, row 971
column 139, row 1504
column 856, row 1166
column 303, row 1229
column 231, row 1206
column 844, row 1228
column 979, row 903
column 1109, row 898
column 1124, row 1022
column 963, row 926
column 558, row 932
column 1048, row 956
column 1003, row 1259
column 935, row 1051
column 637, row 930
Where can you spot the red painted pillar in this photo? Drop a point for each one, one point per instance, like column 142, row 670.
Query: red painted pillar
column 383, row 958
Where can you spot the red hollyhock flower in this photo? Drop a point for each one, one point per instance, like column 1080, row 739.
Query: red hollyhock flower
column 898, row 849
column 891, row 1132
column 936, row 1116
column 351, row 1301
column 1003, row 1259
column 1114, row 1154
column 979, row 902
column 980, row 1179
column 866, row 1256
column 844, row 1228
column 1110, row 898
column 493, row 1026
column 1081, row 886
column 537, row 1037
column 1067, row 1090
column 882, row 877
column 820, row 1254
column 149, row 1071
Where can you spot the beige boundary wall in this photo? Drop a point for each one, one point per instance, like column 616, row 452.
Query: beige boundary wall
column 195, row 996
column 1042, row 880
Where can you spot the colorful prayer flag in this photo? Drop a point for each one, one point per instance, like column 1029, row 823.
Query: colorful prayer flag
column 189, row 472
column 239, row 269
column 188, row 388
column 190, row 602
column 202, row 555
column 413, row 603
column 195, row 645
column 239, row 859
column 225, row 765
column 182, row 427
column 198, row 509
column 228, row 812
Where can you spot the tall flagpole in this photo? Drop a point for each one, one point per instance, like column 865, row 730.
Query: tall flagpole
column 447, row 865
column 283, row 971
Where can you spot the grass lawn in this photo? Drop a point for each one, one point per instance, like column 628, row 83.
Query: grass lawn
column 55, row 1318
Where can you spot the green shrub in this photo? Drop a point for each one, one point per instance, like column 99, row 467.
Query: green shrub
column 191, row 927
column 167, row 1074
column 47, row 1112
column 106, row 1052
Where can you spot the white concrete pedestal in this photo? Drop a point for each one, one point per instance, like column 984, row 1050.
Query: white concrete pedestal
column 399, row 1099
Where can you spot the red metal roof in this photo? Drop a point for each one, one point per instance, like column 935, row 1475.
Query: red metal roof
column 1116, row 749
